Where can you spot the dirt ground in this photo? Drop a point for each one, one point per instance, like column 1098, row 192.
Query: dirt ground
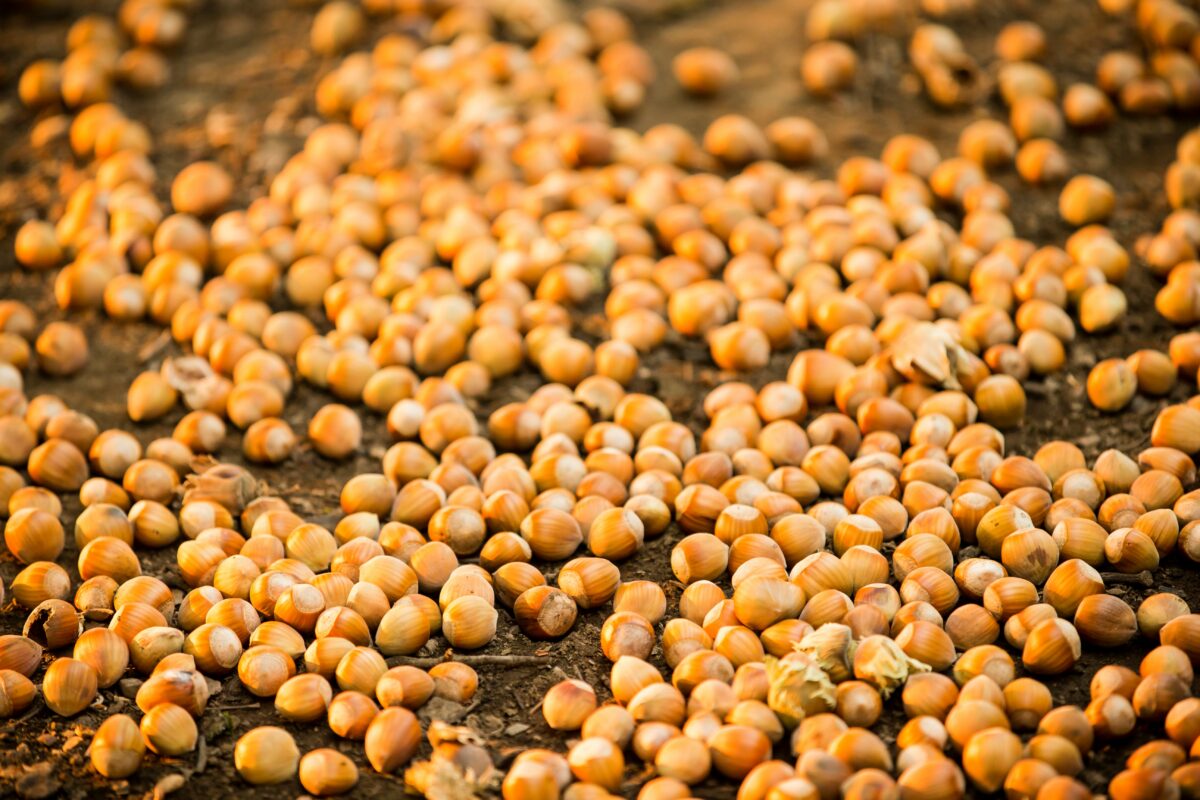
column 246, row 64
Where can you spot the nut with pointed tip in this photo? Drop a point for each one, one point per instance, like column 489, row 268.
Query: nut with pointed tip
column 117, row 748
column 304, row 697
column 350, row 713
column 683, row 758
column 32, row 534
column 469, row 622
column 325, row 772
column 185, row 688
column 454, row 680
column 589, row 581
column 597, row 760
column 626, row 633
column 405, row 686
column 359, row 669
column 266, row 755
column 1052, row 647
column 544, row 612
column 69, row 686
column 169, row 730
column 403, row 629
column 568, row 704
column 392, row 739
column 40, row 581
column 263, row 669
column 106, row 653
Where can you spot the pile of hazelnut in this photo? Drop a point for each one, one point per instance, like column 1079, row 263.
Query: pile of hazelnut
column 847, row 535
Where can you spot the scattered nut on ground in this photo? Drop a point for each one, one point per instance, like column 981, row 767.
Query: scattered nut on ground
column 464, row 428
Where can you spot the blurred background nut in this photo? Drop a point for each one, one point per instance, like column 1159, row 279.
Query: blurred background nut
column 704, row 71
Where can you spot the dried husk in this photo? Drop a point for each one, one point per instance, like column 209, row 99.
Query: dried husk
column 797, row 688
column 880, row 662
column 928, row 354
column 225, row 484
column 832, row 647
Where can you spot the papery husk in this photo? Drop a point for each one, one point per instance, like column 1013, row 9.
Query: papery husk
column 797, row 688
column 440, row 780
column 592, row 247
column 880, row 662
column 193, row 378
column 525, row 21
column 832, row 647
column 225, row 484
column 928, row 355
column 440, row 732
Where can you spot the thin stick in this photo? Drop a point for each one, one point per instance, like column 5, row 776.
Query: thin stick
column 510, row 661
column 154, row 347
column 33, row 709
column 1136, row 579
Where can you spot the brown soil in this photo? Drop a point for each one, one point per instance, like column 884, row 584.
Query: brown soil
column 247, row 63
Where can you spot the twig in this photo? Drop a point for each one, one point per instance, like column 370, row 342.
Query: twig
column 201, row 754
column 1144, row 579
column 237, row 706
column 154, row 347
column 510, row 661
column 33, row 709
